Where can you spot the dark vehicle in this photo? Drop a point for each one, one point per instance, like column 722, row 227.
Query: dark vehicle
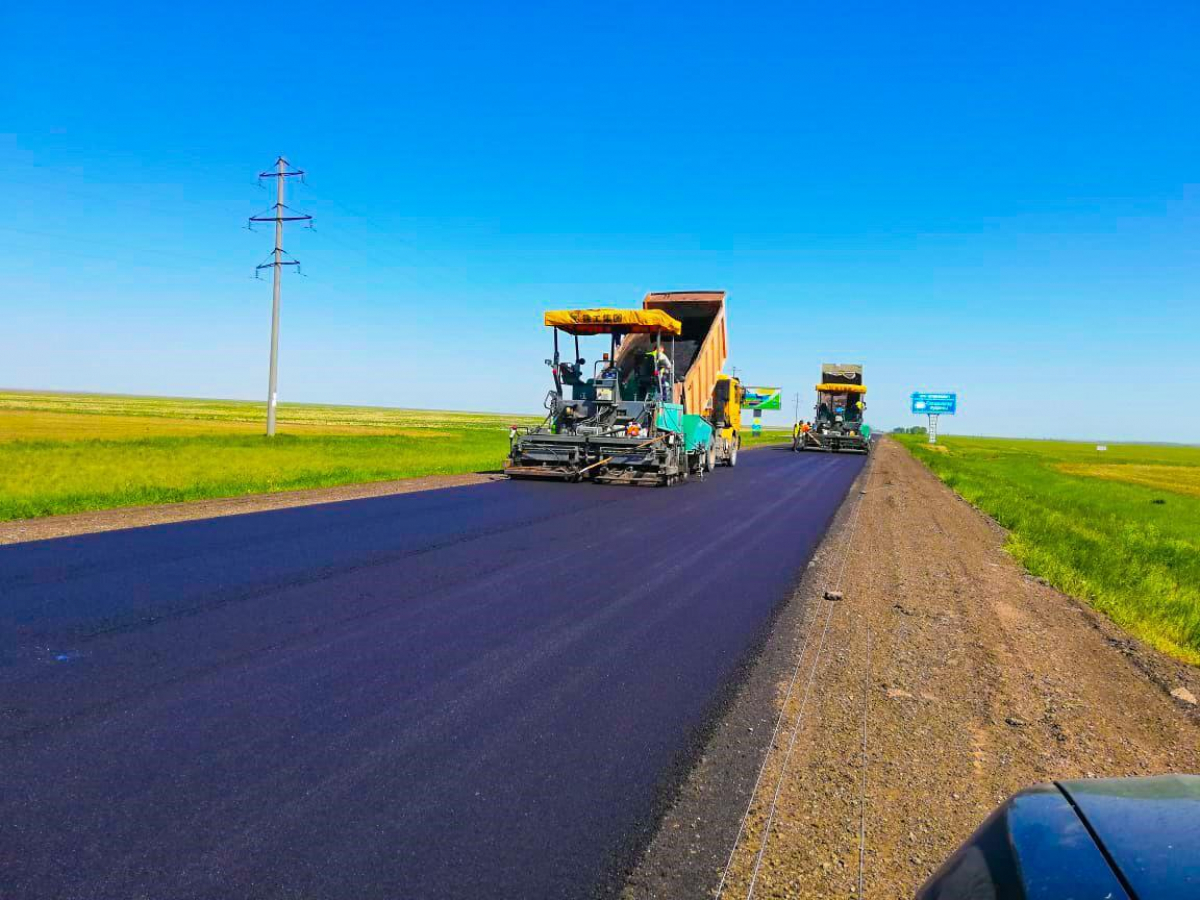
column 1095, row 839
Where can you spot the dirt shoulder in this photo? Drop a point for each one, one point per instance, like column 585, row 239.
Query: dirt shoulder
column 138, row 516
column 979, row 681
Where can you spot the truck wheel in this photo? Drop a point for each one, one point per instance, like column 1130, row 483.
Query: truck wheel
column 732, row 461
column 710, row 458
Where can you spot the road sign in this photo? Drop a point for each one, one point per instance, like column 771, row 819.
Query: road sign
column 763, row 398
column 924, row 404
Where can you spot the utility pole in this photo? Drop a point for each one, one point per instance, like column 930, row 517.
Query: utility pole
column 280, row 215
column 797, row 416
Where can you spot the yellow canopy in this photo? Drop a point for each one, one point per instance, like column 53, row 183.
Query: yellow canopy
column 607, row 321
column 842, row 388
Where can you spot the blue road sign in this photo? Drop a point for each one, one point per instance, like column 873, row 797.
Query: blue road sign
column 934, row 404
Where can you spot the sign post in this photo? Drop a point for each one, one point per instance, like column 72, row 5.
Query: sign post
column 934, row 405
column 758, row 399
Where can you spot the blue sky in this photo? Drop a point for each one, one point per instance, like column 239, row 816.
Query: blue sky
column 998, row 199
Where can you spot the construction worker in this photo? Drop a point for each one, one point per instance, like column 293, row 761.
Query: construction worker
column 663, row 361
column 664, row 372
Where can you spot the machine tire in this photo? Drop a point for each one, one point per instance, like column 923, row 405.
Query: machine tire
column 710, row 458
column 733, row 452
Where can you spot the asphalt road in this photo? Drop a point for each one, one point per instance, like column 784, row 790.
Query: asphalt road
column 472, row 692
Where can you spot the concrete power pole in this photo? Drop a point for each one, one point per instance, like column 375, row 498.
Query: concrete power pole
column 279, row 216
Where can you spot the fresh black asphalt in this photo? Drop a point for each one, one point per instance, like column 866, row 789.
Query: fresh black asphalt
column 464, row 693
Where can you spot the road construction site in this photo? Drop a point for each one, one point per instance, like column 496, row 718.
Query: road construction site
column 636, row 662
column 433, row 694
column 449, row 693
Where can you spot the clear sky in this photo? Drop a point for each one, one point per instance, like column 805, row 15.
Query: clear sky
column 1001, row 199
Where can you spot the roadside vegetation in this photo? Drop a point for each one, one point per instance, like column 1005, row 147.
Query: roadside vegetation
column 1119, row 528
column 67, row 453
column 162, row 414
column 767, row 436
column 63, row 453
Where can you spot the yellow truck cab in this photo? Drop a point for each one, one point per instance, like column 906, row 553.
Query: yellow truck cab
column 725, row 413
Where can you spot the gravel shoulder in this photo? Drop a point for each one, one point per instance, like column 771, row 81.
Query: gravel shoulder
column 978, row 681
column 20, row 530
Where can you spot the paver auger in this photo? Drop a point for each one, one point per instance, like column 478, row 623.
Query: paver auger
column 628, row 419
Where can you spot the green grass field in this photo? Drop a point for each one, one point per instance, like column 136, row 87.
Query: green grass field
column 1119, row 529
column 767, row 436
column 64, row 453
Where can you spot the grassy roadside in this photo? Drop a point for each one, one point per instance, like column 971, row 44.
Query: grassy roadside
column 70, row 453
column 766, row 437
column 1119, row 529
column 160, row 414
column 44, row 478
column 66, row 453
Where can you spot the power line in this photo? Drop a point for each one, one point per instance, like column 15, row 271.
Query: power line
column 282, row 213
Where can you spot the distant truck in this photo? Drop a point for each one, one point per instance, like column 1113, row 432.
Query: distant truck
column 837, row 425
column 655, row 409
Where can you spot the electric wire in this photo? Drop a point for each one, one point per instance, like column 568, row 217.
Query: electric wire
column 862, row 797
column 807, row 626
column 773, row 807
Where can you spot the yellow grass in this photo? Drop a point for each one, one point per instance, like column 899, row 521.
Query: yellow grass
column 364, row 419
column 31, row 425
column 1176, row 479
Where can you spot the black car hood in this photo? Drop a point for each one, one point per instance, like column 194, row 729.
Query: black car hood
column 1149, row 828
column 1094, row 839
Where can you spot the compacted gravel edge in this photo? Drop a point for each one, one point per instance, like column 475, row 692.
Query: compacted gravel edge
column 687, row 854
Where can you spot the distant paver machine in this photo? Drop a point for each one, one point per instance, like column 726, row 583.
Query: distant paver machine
column 837, row 425
column 654, row 409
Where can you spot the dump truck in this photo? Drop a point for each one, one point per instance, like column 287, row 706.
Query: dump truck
column 642, row 413
column 700, row 354
column 837, row 425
